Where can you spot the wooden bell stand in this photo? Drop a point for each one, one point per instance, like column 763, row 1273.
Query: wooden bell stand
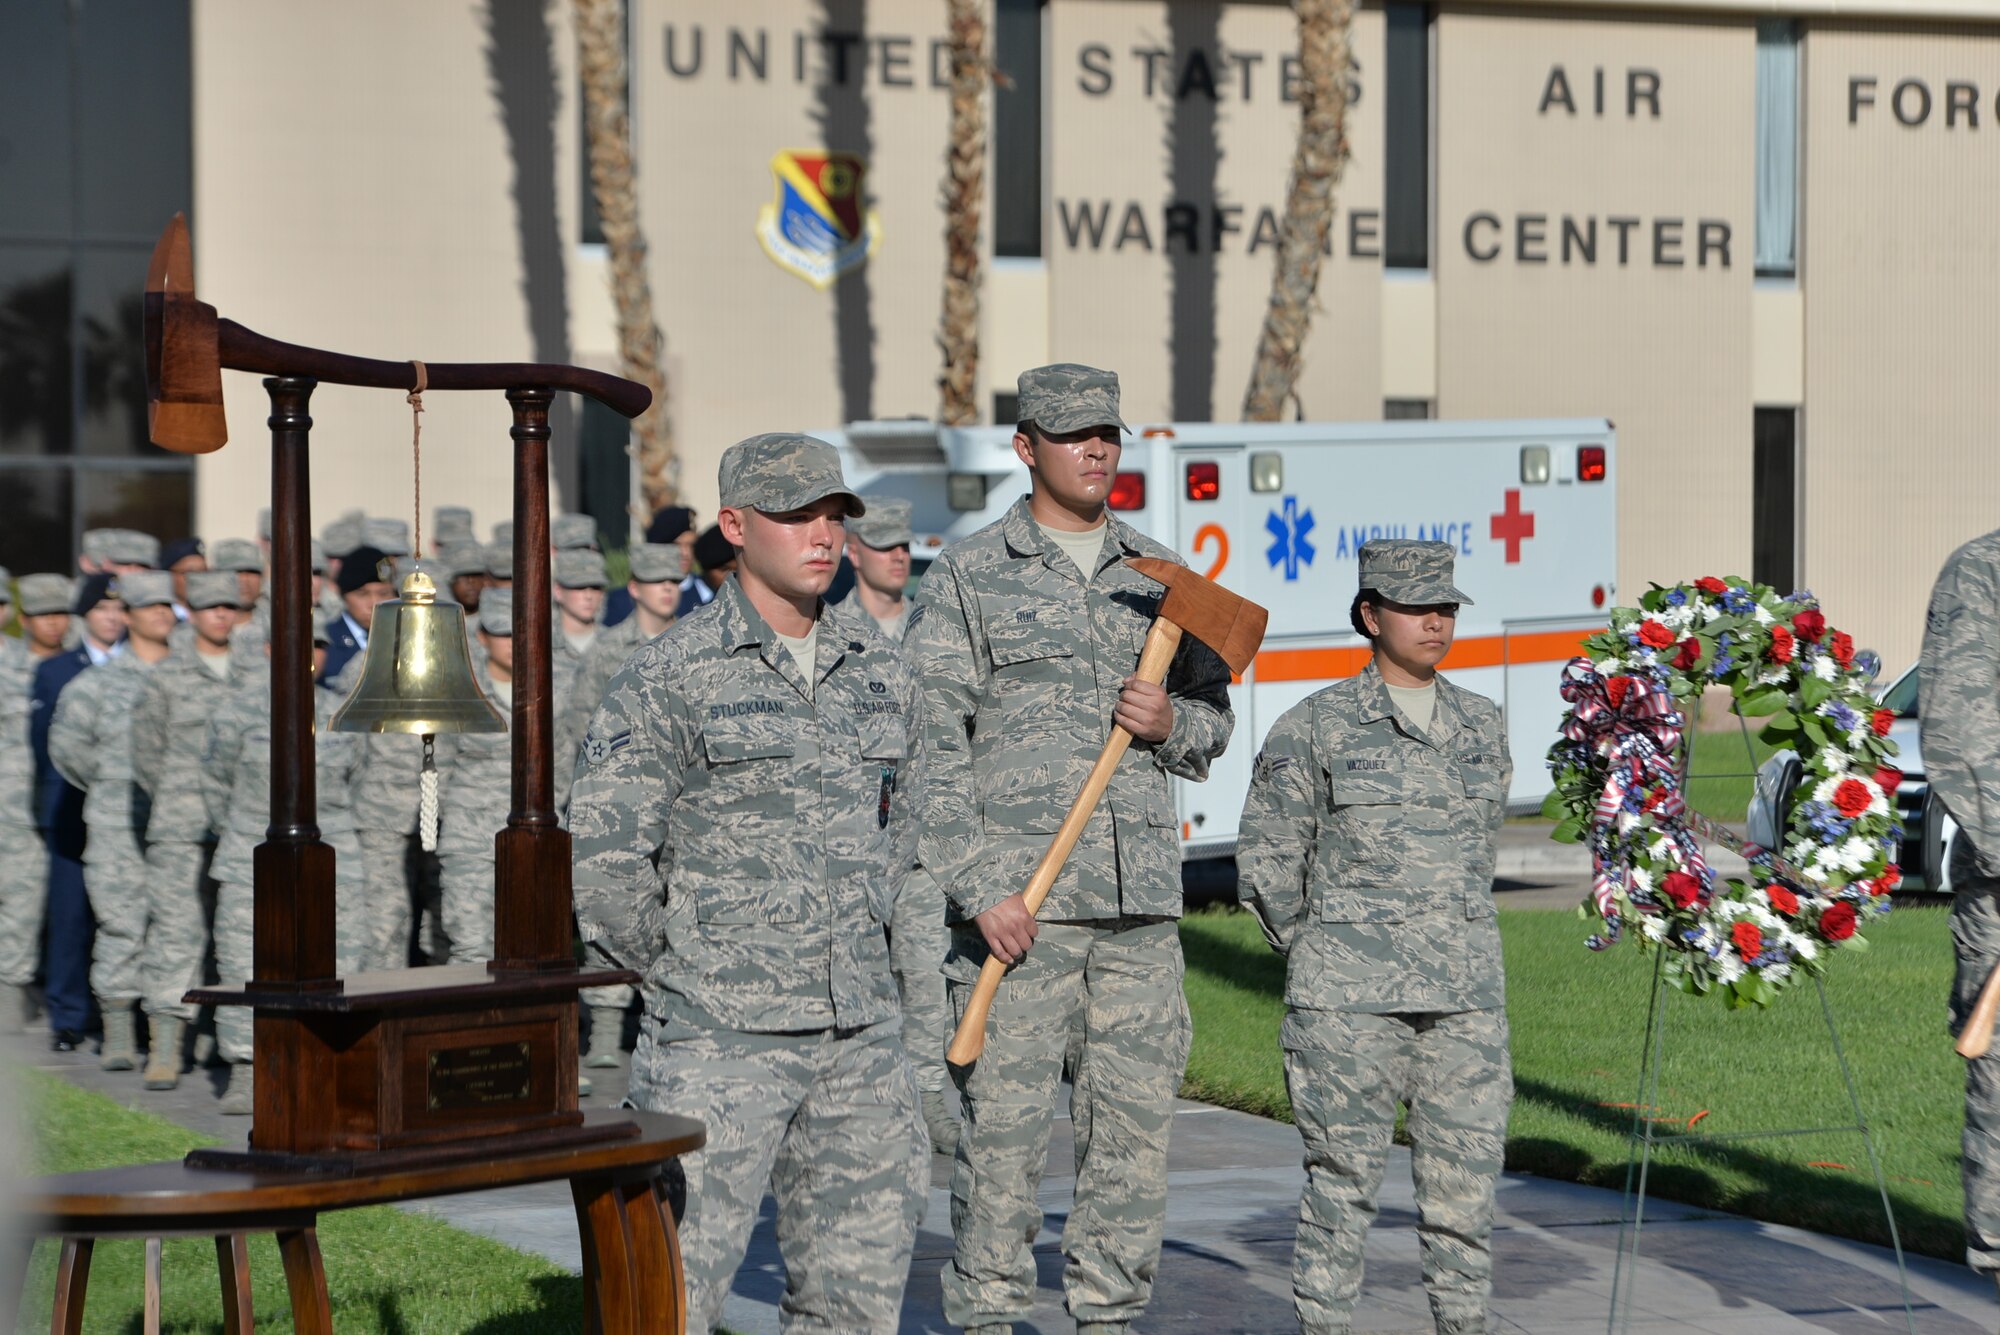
column 410, row 1067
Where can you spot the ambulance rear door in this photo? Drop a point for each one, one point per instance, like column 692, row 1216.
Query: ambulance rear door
column 1202, row 485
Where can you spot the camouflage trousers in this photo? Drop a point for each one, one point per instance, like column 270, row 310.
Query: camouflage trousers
column 1346, row 1072
column 114, row 878
column 1975, row 939
column 918, row 942
column 465, row 911
column 827, row 1122
column 24, row 892
column 384, row 887
column 235, row 945
column 176, row 926
column 1109, row 994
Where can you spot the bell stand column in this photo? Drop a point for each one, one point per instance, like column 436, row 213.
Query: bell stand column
column 293, row 887
column 531, row 860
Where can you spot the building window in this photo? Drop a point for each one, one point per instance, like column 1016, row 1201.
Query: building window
column 107, row 88
column 1406, row 198
column 1407, row 410
column 1773, row 500
column 1006, row 408
column 1017, row 129
column 604, row 472
column 1777, row 148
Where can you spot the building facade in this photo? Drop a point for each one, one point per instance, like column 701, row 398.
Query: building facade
column 1755, row 235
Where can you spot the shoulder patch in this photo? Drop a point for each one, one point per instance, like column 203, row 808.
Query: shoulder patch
column 597, row 749
column 1270, row 766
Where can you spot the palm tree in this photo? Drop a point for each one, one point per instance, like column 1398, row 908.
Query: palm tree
column 600, row 43
column 1326, row 57
column 964, row 188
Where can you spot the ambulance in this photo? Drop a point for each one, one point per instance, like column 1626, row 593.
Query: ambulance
column 1277, row 512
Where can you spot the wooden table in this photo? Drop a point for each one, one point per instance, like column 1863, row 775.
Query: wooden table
column 632, row 1278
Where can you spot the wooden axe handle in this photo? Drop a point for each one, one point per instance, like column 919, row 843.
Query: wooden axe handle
column 1161, row 642
column 1977, row 1036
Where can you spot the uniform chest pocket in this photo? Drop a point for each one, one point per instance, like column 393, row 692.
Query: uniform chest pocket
column 1029, row 638
column 733, row 841
column 1361, row 847
column 750, row 769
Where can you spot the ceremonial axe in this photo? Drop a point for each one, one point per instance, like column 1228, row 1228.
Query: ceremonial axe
column 1233, row 627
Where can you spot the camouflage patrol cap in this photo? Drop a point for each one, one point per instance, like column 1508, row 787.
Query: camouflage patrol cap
column 568, row 533
column 500, row 560
column 580, row 570
column 213, row 588
column 94, row 540
column 452, row 525
column 316, row 553
column 465, row 558
column 344, row 534
column 886, row 525
column 389, row 536
column 145, row 588
column 503, row 533
column 1417, row 574
column 130, row 547
column 1068, row 397
column 237, row 554
column 43, row 594
column 783, row 470
column 496, row 612
column 657, row 563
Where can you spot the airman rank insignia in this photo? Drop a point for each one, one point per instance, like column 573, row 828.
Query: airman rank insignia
column 597, row 749
column 816, row 226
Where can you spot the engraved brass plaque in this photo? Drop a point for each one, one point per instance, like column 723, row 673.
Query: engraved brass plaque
column 486, row 1076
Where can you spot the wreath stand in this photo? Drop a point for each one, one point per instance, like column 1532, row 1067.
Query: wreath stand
column 1643, row 1138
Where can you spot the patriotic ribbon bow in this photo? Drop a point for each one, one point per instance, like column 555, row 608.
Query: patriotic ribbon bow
column 1630, row 724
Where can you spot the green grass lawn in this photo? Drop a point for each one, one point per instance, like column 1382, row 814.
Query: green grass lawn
column 1577, row 1018
column 386, row 1270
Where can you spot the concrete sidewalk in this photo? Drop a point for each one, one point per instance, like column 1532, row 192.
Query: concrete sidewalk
column 1232, row 1204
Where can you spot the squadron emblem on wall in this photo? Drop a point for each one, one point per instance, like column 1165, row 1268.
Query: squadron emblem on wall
column 816, row 226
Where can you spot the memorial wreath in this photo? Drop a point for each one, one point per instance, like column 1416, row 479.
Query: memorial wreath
column 1619, row 769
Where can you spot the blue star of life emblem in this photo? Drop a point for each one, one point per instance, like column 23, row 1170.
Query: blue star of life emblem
column 1288, row 530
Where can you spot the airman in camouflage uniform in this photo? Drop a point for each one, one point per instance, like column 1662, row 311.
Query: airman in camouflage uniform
column 169, row 735
column 1960, row 717
column 742, row 819
column 657, row 570
column 90, row 742
column 236, row 785
column 24, row 858
column 1027, row 636
column 475, row 792
column 577, row 589
column 878, row 547
column 1367, row 850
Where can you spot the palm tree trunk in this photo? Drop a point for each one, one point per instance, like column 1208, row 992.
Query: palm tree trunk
column 600, row 44
column 964, row 188
column 1325, row 55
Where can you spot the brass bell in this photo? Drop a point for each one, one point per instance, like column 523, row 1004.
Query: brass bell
column 417, row 676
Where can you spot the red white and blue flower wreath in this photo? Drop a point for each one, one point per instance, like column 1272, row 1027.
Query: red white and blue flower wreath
column 1617, row 775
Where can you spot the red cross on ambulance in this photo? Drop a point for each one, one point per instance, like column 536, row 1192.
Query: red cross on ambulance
column 1513, row 526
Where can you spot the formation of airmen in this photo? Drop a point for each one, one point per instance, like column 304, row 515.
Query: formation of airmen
column 807, row 826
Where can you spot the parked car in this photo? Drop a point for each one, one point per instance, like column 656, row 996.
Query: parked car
column 1928, row 829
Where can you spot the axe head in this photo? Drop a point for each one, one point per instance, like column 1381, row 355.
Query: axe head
column 1233, row 626
column 183, row 354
